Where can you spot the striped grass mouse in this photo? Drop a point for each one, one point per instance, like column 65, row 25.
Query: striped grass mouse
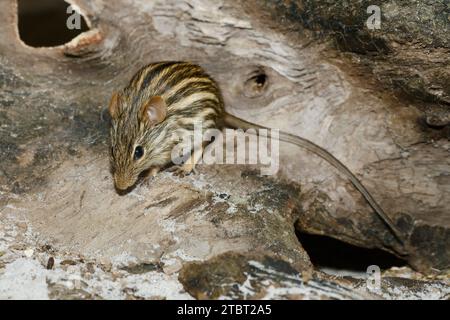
column 161, row 103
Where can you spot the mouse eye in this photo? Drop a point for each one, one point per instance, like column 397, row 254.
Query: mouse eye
column 138, row 152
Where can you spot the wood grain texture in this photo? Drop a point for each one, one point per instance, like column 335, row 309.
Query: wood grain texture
column 54, row 143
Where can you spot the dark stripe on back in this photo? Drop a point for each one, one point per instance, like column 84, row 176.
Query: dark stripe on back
column 189, row 90
column 182, row 73
column 132, row 85
column 196, row 108
column 154, row 72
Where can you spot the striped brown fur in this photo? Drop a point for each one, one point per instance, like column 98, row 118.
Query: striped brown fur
column 191, row 95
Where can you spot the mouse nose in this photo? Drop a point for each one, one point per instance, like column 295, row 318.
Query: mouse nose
column 121, row 182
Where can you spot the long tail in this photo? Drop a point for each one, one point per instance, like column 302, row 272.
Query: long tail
column 237, row 123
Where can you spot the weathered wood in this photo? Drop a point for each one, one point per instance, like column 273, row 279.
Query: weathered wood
column 54, row 171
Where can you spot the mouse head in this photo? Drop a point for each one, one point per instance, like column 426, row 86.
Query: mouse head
column 132, row 136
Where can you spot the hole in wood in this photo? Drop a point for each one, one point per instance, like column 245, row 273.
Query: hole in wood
column 256, row 84
column 340, row 258
column 260, row 80
column 49, row 23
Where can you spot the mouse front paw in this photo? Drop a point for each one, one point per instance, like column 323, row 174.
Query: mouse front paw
column 182, row 171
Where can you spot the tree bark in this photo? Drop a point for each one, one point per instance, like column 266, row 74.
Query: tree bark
column 54, row 169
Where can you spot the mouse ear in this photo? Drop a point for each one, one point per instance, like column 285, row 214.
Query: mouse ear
column 114, row 105
column 154, row 110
